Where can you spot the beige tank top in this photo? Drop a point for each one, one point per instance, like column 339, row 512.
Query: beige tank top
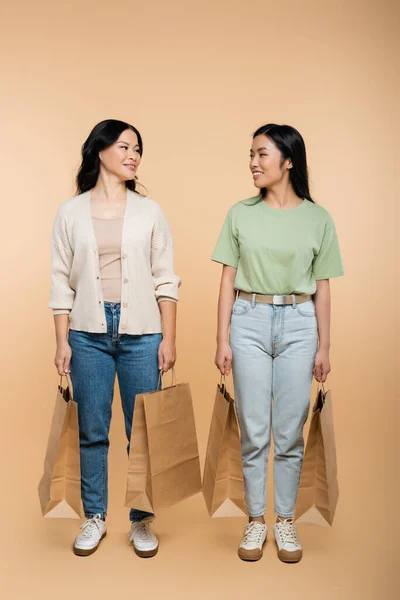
column 109, row 237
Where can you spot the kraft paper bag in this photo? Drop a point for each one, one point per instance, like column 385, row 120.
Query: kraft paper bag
column 164, row 464
column 59, row 488
column 318, row 488
column 223, row 483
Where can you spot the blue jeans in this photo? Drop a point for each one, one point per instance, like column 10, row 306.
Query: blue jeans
column 96, row 359
column 273, row 351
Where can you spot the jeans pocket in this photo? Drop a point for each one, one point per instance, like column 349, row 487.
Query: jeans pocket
column 306, row 309
column 240, row 307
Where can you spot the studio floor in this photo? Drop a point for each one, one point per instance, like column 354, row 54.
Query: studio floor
column 355, row 560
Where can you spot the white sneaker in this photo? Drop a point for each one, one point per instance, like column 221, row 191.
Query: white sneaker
column 93, row 531
column 289, row 548
column 143, row 539
column 251, row 546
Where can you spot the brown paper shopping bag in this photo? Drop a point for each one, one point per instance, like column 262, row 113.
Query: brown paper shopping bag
column 318, row 488
column 223, row 484
column 164, row 465
column 59, row 487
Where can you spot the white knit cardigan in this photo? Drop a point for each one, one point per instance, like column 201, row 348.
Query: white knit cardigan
column 146, row 262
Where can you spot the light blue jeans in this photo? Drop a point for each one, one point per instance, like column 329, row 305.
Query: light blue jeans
column 273, row 350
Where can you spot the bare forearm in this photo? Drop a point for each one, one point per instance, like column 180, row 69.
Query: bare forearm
column 225, row 303
column 322, row 300
column 63, row 351
column 223, row 357
column 61, row 324
column 168, row 319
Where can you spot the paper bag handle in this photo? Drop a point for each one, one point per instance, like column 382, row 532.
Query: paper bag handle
column 173, row 379
column 321, row 393
column 222, row 383
column 224, row 391
column 66, row 392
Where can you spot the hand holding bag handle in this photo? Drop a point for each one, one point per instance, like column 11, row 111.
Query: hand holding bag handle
column 67, row 392
column 224, row 390
column 320, row 400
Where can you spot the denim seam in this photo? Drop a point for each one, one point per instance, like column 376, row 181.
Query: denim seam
column 282, row 332
column 272, row 333
column 266, row 453
column 104, row 467
column 297, row 489
column 277, row 342
column 299, row 475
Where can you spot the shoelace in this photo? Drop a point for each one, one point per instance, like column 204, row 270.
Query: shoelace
column 141, row 531
column 90, row 527
column 253, row 532
column 287, row 531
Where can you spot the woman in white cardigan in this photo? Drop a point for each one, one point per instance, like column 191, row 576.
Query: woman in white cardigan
column 113, row 296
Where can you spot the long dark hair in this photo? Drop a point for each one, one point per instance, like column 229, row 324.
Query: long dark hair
column 103, row 135
column 291, row 145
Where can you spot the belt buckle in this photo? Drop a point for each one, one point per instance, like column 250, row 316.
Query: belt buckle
column 278, row 299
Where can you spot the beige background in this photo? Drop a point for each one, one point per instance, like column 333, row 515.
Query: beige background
column 197, row 78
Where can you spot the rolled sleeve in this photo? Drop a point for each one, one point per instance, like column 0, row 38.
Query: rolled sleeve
column 166, row 282
column 62, row 295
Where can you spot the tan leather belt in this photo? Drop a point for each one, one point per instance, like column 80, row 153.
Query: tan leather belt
column 277, row 300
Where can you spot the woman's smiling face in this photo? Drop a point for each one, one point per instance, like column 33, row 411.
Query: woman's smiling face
column 266, row 163
column 122, row 158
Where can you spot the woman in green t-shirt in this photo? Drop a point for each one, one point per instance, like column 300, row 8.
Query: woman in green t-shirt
column 278, row 249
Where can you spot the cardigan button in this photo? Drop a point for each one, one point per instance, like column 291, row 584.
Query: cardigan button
column 124, row 255
column 123, row 326
column 125, row 305
column 126, row 280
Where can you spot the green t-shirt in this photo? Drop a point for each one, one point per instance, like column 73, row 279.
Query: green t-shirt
column 279, row 251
